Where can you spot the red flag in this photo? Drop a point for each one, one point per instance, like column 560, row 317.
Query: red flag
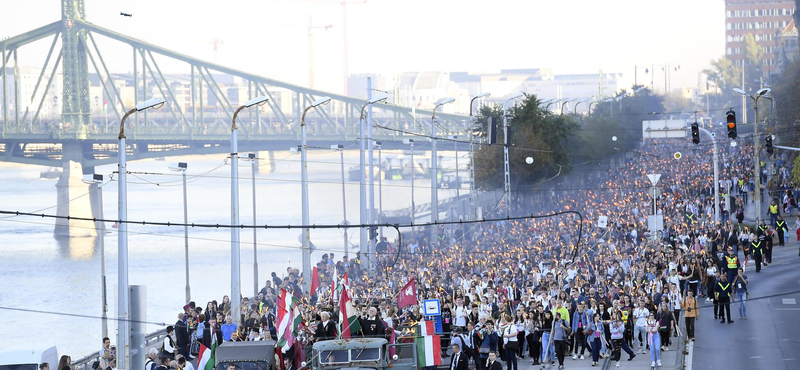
column 314, row 280
column 407, row 295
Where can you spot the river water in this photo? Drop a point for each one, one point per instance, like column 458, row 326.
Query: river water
column 39, row 272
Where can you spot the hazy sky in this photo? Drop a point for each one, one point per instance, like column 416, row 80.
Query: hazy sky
column 270, row 37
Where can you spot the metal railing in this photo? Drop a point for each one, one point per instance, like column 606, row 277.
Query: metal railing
column 152, row 340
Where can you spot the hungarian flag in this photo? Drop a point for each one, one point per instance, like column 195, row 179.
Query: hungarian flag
column 285, row 320
column 407, row 295
column 348, row 316
column 314, row 281
column 429, row 350
column 426, row 328
column 206, row 359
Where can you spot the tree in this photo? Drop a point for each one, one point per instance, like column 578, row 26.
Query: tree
column 536, row 133
column 787, row 91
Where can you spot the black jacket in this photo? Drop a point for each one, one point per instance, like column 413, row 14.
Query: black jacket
column 462, row 363
column 495, row 365
column 326, row 332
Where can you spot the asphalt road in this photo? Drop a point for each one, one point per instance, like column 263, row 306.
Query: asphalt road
column 770, row 337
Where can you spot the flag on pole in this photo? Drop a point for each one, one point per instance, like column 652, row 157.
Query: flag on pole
column 348, row 316
column 314, row 280
column 206, row 359
column 407, row 295
column 429, row 350
column 285, row 320
column 426, row 328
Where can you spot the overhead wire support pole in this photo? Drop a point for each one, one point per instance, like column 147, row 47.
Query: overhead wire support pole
column 716, row 173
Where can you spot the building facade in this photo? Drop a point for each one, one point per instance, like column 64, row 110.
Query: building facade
column 761, row 18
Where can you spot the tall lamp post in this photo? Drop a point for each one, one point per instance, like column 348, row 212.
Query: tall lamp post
column 254, row 164
column 472, row 159
column 434, row 169
column 411, row 168
column 340, row 148
column 371, row 173
column 236, row 283
column 377, row 145
column 565, row 102
column 181, row 167
column 124, row 303
column 304, row 187
column 507, row 171
column 96, row 180
column 716, row 172
column 756, row 147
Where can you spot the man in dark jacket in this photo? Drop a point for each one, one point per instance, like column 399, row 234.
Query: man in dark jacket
column 182, row 334
column 372, row 326
column 213, row 330
column 326, row 329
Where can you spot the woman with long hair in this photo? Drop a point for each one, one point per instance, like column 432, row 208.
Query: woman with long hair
column 617, row 328
column 548, row 352
column 519, row 322
column 64, row 361
column 595, row 336
column 533, row 326
column 654, row 340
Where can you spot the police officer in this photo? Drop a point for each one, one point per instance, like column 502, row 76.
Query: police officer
column 762, row 228
column 731, row 262
column 757, row 250
column 723, row 294
column 781, row 228
column 773, row 213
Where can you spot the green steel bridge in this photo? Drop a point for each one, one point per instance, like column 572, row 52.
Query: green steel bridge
column 193, row 122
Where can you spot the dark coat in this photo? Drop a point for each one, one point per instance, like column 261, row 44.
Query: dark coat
column 463, row 362
column 326, row 332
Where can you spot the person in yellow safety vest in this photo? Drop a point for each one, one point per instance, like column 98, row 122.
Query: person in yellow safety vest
column 689, row 218
column 762, row 228
column 781, row 227
column 731, row 264
column 773, row 213
column 757, row 250
column 723, row 293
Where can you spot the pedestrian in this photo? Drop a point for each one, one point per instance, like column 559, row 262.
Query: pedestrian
column 548, row 350
column 667, row 325
column 560, row 335
column 740, row 288
column 782, row 229
column 596, row 337
column 510, row 342
column 723, row 294
column 617, row 328
column 640, row 321
column 692, row 313
column 654, row 339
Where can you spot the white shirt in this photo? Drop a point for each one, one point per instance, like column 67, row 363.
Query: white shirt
column 461, row 316
column 641, row 316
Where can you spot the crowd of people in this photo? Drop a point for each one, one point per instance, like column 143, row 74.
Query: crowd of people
column 546, row 288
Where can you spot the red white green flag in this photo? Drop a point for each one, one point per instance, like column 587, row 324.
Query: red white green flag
column 429, row 350
column 348, row 316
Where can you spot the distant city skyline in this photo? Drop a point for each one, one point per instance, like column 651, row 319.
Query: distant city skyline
column 583, row 36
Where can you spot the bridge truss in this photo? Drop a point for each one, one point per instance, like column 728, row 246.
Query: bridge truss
column 196, row 118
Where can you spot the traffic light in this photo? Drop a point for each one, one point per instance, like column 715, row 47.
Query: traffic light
column 695, row 133
column 731, row 118
column 373, row 233
column 491, row 129
column 770, row 148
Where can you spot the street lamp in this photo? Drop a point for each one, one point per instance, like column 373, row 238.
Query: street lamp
column 366, row 212
column 411, row 169
column 756, row 140
column 254, row 165
column 507, row 175
column 578, row 103
column 236, row 283
column 547, row 107
column 565, row 103
column 123, row 305
column 181, row 167
column 434, row 169
column 377, row 145
column 304, row 187
column 340, row 149
column 472, row 157
column 95, row 181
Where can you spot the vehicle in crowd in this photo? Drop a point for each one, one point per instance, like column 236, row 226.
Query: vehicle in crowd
column 258, row 355
column 363, row 353
column 28, row 357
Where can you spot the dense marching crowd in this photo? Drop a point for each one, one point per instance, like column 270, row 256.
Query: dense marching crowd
column 548, row 288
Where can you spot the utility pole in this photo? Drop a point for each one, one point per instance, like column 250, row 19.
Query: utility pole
column 371, row 179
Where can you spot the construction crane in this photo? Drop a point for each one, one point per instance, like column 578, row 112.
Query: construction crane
column 311, row 27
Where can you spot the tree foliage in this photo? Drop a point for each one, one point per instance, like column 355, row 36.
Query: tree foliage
column 787, row 93
column 535, row 133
